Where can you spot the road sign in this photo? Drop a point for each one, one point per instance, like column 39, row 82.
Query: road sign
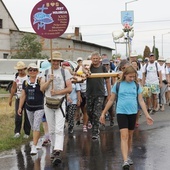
column 127, row 17
column 49, row 18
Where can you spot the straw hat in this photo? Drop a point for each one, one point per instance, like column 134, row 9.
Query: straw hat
column 32, row 65
column 134, row 54
column 168, row 60
column 20, row 65
column 56, row 55
column 161, row 59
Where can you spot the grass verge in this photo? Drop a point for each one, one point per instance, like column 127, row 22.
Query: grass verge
column 7, row 121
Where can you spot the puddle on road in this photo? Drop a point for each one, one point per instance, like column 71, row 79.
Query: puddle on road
column 81, row 152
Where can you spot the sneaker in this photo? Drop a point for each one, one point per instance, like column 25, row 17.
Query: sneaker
column 78, row 123
column 89, row 126
column 52, row 155
column 57, row 158
column 95, row 137
column 26, row 136
column 33, row 150
column 130, row 161
column 46, row 142
column 84, row 128
column 126, row 165
column 17, row 135
column 150, row 111
column 111, row 123
column 39, row 144
column 70, row 130
column 153, row 112
column 102, row 127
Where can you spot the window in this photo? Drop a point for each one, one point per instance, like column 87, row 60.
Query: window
column 0, row 23
column 5, row 55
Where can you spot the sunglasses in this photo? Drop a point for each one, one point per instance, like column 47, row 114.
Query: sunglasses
column 32, row 70
column 20, row 69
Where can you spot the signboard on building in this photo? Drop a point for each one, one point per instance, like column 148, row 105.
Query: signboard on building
column 127, row 17
column 49, row 19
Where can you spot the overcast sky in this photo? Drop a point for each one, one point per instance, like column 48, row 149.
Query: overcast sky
column 98, row 19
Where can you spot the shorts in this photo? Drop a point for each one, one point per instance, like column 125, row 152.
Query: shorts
column 153, row 88
column 126, row 121
column 83, row 96
column 44, row 118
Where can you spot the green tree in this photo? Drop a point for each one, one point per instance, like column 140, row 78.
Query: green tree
column 155, row 51
column 146, row 52
column 29, row 48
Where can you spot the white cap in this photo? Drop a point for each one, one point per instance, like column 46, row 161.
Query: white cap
column 79, row 59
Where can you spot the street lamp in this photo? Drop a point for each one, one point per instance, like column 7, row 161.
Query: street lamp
column 128, row 3
column 162, row 41
column 127, row 40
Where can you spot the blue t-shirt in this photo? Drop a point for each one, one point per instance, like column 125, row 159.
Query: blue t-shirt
column 73, row 94
column 127, row 98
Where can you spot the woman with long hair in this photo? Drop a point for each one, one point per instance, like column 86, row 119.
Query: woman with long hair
column 128, row 95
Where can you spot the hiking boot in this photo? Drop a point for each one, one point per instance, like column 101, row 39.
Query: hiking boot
column 57, row 158
column 125, row 165
column 33, row 150
column 17, row 135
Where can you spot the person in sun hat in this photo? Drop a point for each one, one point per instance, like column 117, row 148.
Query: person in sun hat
column 33, row 97
column 134, row 57
column 164, row 88
column 16, row 89
column 56, row 84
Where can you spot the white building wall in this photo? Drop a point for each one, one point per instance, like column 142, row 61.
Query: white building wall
column 8, row 24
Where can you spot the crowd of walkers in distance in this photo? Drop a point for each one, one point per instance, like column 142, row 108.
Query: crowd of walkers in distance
column 50, row 95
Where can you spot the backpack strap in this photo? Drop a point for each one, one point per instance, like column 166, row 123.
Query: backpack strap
column 118, row 86
column 64, row 76
column 117, row 90
column 156, row 65
column 146, row 69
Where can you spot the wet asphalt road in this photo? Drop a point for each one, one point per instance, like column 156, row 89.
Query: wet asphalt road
column 151, row 150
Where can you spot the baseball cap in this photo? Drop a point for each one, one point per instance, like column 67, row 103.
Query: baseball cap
column 79, row 59
column 105, row 61
column 151, row 54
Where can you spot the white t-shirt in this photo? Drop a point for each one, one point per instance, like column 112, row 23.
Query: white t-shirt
column 164, row 71
column 83, row 86
column 58, row 82
column 19, row 81
column 151, row 73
